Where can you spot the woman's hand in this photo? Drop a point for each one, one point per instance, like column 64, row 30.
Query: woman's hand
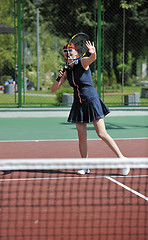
column 60, row 74
column 62, row 77
column 91, row 47
column 86, row 61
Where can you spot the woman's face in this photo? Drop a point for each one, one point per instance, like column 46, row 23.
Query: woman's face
column 72, row 53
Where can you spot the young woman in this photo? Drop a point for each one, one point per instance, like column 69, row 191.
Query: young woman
column 87, row 106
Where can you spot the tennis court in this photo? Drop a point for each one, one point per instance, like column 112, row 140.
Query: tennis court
column 48, row 201
column 41, row 195
column 48, row 135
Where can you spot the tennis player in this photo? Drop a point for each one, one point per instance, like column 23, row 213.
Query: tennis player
column 87, row 106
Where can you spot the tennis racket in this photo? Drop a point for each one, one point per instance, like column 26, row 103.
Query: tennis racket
column 78, row 42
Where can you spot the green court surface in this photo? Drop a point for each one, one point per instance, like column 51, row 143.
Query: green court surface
column 57, row 128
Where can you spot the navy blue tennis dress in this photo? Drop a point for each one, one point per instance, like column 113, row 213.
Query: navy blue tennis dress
column 87, row 105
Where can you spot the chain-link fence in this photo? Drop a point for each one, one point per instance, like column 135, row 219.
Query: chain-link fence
column 33, row 32
column 7, row 53
column 125, row 53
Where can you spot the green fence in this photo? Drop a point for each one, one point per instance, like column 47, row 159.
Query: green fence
column 32, row 33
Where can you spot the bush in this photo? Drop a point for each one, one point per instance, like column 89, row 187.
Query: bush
column 131, row 81
column 60, row 92
column 109, row 81
column 3, row 79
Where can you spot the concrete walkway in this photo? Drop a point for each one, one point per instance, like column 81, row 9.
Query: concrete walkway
column 64, row 112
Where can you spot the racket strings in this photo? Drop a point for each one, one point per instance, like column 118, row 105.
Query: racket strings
column 80, row 42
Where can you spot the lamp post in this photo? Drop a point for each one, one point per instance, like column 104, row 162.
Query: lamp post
column 37, row 3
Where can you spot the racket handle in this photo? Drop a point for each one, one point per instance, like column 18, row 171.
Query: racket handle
column 58, row 78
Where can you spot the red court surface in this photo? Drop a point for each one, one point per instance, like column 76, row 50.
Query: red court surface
column 69, row 149
column 62, row 205
column 57, row 205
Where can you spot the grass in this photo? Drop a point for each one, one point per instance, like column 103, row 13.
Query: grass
column 47, row 99
column 30, row 99
column 119, row 100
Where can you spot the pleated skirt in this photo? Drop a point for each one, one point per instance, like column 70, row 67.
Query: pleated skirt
column 86, row 112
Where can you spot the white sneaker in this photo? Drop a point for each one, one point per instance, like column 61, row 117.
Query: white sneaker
column 83, row 171
column 125, row 171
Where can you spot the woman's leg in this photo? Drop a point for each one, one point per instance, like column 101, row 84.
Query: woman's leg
column 101, row 132
column 82, row 135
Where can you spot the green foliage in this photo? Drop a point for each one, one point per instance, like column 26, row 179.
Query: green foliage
column 113, row 79
column 68, row 19
column 126, row 67
column 60, row 92
column 56, row 27
column 131, row 80
column 109, row 81
column 7, row 12
column 7, row 41
column 136, row 35
column 50, row 58
column 31, row 76
column 3, row 79
column 105, row 80
column 131, row 4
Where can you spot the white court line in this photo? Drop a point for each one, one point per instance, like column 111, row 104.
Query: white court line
column 58, row 140
column 128, row 188
column 60, row 178
column 107, row 177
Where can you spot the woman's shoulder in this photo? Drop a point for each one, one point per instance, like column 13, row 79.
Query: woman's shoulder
column 83, row 63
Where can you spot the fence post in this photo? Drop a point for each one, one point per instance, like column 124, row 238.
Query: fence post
column 19, row 53
column 99, row 48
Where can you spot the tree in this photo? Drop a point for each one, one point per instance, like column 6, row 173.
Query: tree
column 59, row 21
column 136, row 31
column 7, row 41
column 132, row 4
column 68, row 19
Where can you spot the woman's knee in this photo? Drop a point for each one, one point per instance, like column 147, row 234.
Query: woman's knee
column 100, row 128
column 102, row 134
column 82, row 131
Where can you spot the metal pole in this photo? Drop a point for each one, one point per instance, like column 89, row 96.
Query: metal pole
column 38, row 51
column 15, row 45
column 95, row 41
column 19, row 54
column 123, row 60
column 99, row 47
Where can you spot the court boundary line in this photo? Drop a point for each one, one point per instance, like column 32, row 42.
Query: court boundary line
column 62, row 140
column 60, row 178
column 128, row 188
column 90, row 177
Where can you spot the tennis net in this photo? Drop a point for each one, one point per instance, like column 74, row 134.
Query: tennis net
column 45, row 199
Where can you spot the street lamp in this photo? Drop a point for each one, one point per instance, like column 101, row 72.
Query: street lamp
column 37, row 3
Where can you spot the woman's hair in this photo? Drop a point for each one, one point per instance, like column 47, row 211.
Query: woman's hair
column 71, row 45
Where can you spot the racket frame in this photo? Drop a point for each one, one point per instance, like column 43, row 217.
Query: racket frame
column 75, row 59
